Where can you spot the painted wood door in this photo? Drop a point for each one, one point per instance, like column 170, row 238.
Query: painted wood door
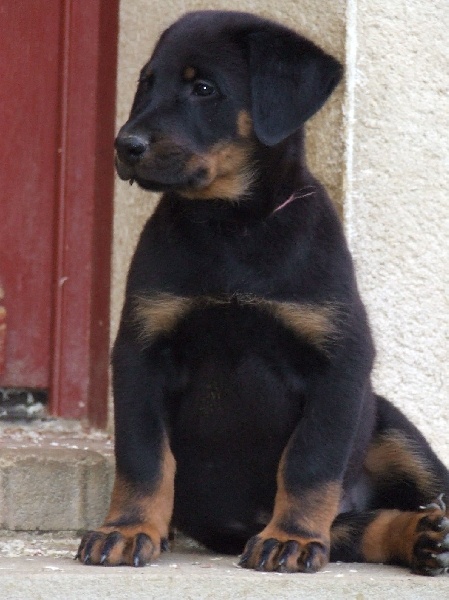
column 57, row 91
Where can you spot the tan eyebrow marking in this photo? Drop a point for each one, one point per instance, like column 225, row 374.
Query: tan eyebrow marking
column 189, row 73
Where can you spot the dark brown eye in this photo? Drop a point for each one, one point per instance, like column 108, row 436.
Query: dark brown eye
column 203, row 88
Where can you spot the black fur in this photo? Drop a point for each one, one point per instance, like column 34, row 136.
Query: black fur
column 230, row 385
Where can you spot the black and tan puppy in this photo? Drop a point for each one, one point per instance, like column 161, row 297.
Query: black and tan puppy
column 244, row 412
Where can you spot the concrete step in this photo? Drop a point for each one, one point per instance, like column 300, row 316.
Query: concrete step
column 54, row 475
column 42, row 567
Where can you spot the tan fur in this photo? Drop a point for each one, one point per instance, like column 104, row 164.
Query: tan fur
column 153, row 511
column 121, row 495
column 157, row 508
column 313, row 510
column 160, row 313
column 315, row 323
column 390, row 536
column 319, row 507
column 189, row 73
column 342, row 535
column 229, row 170
column 393, row 454
column 244, row 124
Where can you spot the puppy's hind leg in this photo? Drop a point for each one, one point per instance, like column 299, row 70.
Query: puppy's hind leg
column 408, row 523
column 417, row 539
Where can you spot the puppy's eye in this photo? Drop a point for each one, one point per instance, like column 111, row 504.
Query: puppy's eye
column 203, row 88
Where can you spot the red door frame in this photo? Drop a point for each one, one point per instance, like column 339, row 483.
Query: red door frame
column 79, row 370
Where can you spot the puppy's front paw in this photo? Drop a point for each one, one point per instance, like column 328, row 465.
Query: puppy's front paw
column 264, row 553
column 135, row 546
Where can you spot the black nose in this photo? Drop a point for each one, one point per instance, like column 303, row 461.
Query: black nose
column 130, row 148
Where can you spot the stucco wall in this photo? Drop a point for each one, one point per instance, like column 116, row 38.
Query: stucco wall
column 376, row 146
column 397, row 201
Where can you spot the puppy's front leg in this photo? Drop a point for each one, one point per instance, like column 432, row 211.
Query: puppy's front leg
column 297, row 538
column 137, row 524
column 309, row 479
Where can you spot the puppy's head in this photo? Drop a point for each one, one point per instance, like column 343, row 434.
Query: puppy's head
column 218, row 85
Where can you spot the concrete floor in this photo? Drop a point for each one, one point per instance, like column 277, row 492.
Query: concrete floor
column 42, row 470
column 36, row 567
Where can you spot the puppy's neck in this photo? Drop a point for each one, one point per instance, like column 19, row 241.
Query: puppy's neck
column 285, row 172
column 284, row 175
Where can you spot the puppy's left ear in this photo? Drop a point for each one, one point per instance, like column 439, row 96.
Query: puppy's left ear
column 291, row 78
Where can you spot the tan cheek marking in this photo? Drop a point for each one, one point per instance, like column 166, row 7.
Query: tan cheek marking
column 230, row 172
column 160, row 314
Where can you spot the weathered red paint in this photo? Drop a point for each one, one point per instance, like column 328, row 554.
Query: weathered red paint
column 2, row 339
column 29, row 58
column 81, row 325
column 57, row 122
column 2, row 331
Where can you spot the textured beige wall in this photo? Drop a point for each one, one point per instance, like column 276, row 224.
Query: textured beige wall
column 376, row 146
column 397, row 202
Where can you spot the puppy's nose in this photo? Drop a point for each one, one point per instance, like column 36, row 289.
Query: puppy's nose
column 130, row 148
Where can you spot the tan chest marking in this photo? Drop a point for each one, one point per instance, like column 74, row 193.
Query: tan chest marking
column 161, row 313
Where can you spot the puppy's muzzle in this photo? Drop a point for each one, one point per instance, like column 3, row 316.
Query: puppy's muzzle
column 130, row 148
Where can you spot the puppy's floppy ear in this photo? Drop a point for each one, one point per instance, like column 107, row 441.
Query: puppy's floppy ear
column 291, row 78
